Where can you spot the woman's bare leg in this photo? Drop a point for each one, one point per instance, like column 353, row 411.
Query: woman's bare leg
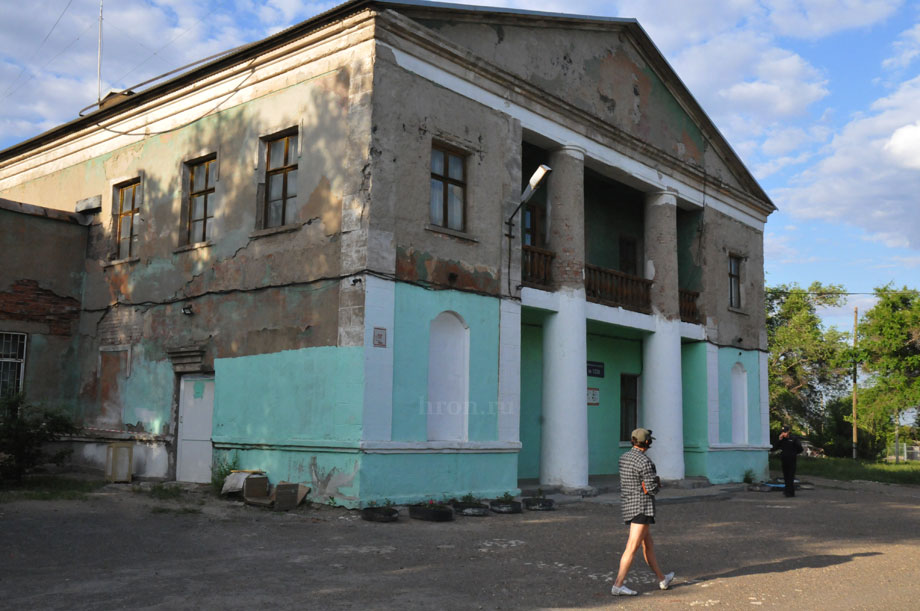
column 648, row 550
column 637, row 534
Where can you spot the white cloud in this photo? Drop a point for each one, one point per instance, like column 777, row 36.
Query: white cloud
column 906, row 49
column 856, row 182
column 818, row 18
column 904, row 146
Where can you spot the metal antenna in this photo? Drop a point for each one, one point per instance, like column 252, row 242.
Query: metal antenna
column 99, row 59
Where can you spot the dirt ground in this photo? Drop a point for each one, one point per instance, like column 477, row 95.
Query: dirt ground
column 835, row 547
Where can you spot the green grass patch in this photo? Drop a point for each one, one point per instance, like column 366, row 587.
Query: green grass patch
column 176, row 510
column 160, row 492
column 50, row 489
column 847, row 469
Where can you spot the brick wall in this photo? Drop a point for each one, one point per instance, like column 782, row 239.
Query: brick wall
column 27, row 301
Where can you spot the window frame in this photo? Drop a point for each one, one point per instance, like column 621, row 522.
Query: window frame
column 210, row 194
column 735, row 296
column 23, row 346
column 626, row 428
column 291, row 153
column 134, row 213
column 446, row 180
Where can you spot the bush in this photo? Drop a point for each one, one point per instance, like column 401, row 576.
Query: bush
column 24, row 430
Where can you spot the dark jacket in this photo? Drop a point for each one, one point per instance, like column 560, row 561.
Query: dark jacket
column 789, row 447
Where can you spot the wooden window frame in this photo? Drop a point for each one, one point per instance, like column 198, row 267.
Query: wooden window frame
column 627, row 424
column 288, row 165
column 121, row 213
column 446, row 180
column 735, row 264
column 210, row 167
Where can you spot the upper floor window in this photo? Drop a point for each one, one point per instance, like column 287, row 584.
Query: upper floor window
column 448, row 188
column 201, row 178
column 629, row 260
column 12, row 362
column 127, row 207
column 534, row 226
column 281, row 180
column 734, row 281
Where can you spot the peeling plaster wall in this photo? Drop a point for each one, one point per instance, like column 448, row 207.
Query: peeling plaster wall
column 409, row 114
column 599, row 70
column 41, row 283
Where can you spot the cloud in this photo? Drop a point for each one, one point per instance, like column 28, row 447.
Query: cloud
column 866, row 176
column 818, row 18
column 906, row 49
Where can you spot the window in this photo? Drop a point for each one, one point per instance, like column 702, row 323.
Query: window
column 281, row 179
column 126, row 228
column 734, row 281
column 629, row 263
column 629, row 405
column 534, row 226
column 201, row 178
column 448, row 188
column 12, row 362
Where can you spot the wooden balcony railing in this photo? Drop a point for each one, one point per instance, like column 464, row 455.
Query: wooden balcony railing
column 689, row 312
column 535, row 266
column 615, row 288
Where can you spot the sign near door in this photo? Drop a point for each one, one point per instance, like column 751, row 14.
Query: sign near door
column 595, row 369
column 594, row 396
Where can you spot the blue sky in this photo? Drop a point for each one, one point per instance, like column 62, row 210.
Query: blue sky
column 820, row 98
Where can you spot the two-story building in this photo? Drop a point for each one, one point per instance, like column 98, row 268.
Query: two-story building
column 308, row 254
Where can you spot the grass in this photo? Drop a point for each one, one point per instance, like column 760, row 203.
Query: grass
column 50, row 489
column 176, row 510
column 160, row 492
column 847, row 469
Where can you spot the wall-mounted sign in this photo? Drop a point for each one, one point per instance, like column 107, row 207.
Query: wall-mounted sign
column 380, row 337
column 594, row 396
column 595, row 369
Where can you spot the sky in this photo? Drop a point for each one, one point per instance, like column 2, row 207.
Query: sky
column 819, row 98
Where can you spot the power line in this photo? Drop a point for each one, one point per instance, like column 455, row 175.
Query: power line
column 40, row 45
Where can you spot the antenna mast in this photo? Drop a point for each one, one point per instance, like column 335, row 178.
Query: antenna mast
column 99, row 59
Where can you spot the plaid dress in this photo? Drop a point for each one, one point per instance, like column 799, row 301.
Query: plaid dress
column 636, row 469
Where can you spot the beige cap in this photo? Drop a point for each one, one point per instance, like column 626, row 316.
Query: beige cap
column 642, row 435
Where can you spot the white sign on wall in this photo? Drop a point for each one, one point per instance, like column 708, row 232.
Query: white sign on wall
column 594, row 396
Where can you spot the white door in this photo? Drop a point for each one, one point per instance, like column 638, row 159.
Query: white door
column 196, row 405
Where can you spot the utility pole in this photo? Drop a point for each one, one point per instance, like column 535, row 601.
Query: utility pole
column 855, row 365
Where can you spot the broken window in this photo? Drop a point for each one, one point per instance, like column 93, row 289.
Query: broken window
column 12, row 362
column 448, row 188
column 201, row 178
column 127, row 199
column 734, row 281
column 629, row 405
column 281, row 180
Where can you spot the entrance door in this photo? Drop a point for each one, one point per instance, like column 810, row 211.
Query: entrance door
column 196, row 405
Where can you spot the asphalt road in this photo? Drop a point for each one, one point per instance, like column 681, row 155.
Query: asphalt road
column 828, row 548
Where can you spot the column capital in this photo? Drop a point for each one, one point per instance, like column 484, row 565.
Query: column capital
column 664, row 196
column 573, row 150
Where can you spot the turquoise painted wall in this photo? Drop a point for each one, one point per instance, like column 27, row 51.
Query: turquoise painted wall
column 750, row 360
column 408, row 478
column 729, row 466
column 619, row 356
column 330, row 475
column 290, row 397
column 148, row 394
column 531, row 430
column 695, row 406
column 415, row 309
column 689, row 273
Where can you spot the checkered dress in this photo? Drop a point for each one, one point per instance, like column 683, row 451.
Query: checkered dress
column 635, row 469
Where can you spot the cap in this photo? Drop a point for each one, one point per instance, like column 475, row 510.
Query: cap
column 642, row 435
column 785, row 429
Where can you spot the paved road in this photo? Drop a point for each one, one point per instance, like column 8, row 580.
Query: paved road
column 829, row 548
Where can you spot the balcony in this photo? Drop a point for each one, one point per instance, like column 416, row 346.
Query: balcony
column 689, row 312
column 614, row 288
column 535, row 267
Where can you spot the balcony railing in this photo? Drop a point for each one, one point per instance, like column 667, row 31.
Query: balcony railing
column 689, row 312
column 535, row 266
column 615, row 288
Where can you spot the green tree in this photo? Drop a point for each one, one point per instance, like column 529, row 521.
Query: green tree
column 889, row 350
column 24, row 432
column 807, row 363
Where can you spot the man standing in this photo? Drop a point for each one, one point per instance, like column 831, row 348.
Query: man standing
column 639, row 483
column 789, row 448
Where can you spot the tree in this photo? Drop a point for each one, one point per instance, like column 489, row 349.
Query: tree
column 24, row 431
column 807, row 363
column 889, row 349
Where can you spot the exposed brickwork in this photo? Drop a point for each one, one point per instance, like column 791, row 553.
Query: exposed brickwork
column 27, row 301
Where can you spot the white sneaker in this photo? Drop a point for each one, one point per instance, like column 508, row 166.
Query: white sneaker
column 622, row 591
column 665, row 583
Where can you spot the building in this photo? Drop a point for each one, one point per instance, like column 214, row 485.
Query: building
column 298, row 254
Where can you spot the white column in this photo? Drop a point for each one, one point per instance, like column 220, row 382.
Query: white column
column 662, row 385
column 764, row 401
column 564, row 447
column 379, row 308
